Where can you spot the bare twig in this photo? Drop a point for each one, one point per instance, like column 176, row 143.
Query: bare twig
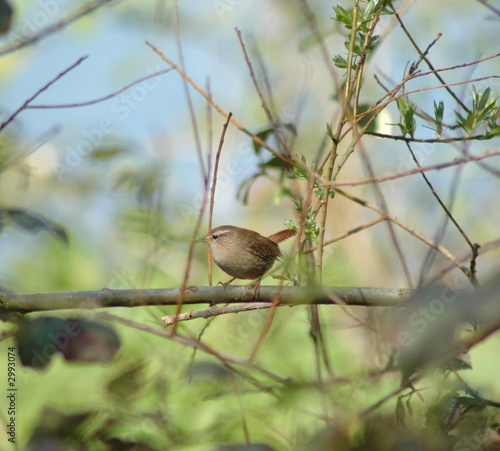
column 187, row 95
column 212, row 190
column 430, row 140
column 43, row 89
column 440, row 233
column 485, row 247
column 447, row 254
column 216, row 106
column 325, row 53
column 424, row 57
column 99, row 99
column 215, row 311
column 434, row 167
column 390, row 226
column 53, row 28
column 37, row 143
column 349, row 233
column 203, row 170
column 457, row 348
column 265, row 107
column 490, row 7
column 474, row 247
column 189, row 342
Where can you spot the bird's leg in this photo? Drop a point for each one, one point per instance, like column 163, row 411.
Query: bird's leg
column 256, row 287
column 225, row 284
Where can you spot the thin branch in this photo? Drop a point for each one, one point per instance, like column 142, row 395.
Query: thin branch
column 348, row 233
column 442, row 250
column 486, row 247
column 430, row 140
column 43, row 89
column 53, row 28
column 187, row 95
column 216, row 106
column 391, row 96
column 203, row 171
column 269, row 320
column 423, row 56
column 441, row 230
column 212, row 190
column 214, row 311
column 433, row 167
column 21, row 155
column 380, row 198
column 264, row 105
column 367, row 297
column 474, row 247
column 209, row 169
column 100, row 99
column 414, row 66
column 458, row 83
column 386, row 398
column 459, row 347
column 490, row 7
column 325, row 53
column 189, row 342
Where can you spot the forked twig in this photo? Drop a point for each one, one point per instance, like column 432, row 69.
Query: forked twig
column 99, row 99
column 53, row 28
column 474, row 247
column 263, row 101
column 215, row 105
column 42, row 89
column 442, row 250
column 212, row 190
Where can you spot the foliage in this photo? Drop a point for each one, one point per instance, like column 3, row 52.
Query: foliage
column 307, row 377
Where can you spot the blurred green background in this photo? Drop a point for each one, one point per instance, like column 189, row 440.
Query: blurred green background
column 129, row 204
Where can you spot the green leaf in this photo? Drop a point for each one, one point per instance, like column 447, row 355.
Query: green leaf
column 343, row 16
column 282, row 192
column 494, row 131
column 145, row 182
column 107, row 153
column 31, row 222
column 290, row 126
column 243, row 192
column 438, row 117
column 299, row 173
column 340, row 62
column 262, row 135
column 483, row 113
column 330, row 133
column 407, row 111
column 274, row 163
column 311, row 230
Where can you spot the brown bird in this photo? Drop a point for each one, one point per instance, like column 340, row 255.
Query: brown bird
column 243, row 253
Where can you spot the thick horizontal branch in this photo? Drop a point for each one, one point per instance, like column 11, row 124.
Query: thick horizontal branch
column 369, row 297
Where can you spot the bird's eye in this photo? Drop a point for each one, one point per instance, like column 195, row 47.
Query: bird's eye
column 215, row 236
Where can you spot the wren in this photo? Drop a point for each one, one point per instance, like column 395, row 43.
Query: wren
column 243, row 253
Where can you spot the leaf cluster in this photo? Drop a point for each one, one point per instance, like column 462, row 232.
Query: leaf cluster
column 363, row 42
